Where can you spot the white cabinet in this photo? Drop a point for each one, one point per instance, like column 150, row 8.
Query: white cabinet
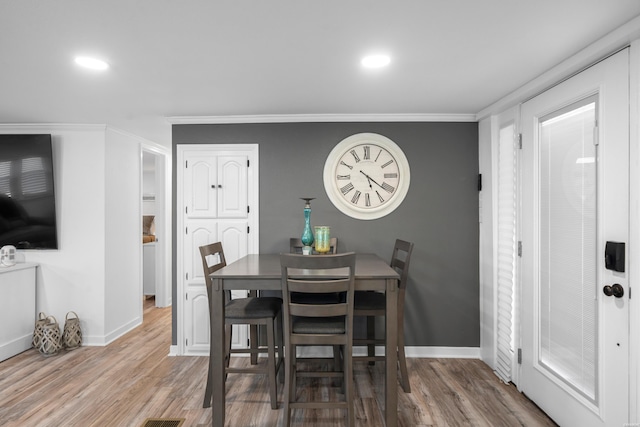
column 217, row 201
column 149, row 268
column 17, row 308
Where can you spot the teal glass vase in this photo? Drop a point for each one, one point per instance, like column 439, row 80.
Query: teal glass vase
column 307, row 232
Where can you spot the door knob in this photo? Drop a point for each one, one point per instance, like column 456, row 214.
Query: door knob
column 616, row 290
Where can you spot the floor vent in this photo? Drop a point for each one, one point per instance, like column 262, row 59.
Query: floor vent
column 163, row 422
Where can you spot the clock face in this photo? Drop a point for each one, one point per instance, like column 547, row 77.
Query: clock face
column 366, row 176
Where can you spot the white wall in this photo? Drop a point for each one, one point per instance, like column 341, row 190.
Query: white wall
column 123, row 242
column 96, row 269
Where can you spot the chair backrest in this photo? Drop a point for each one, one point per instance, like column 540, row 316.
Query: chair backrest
column 214, row 253
column 295, row 245
column 400, row 260
column 318, row 275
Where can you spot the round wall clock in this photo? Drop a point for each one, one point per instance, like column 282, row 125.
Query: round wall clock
column 366, row 176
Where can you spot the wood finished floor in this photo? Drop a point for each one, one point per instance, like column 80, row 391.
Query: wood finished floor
column 134, row 379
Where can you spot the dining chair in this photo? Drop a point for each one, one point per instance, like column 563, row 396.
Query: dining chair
column 318, row 324
column 244, row 311
column 373, row 304
column 295, row 245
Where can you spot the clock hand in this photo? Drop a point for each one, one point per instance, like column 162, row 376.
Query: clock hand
column 368, row 179
column 371, row 180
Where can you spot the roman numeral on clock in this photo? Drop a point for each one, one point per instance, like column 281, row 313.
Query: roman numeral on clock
column 356, row 197
column 387, row 164
column 346, row 188
column 387, row 187
column 367, row 152
column 355, row 156
column 344, row 164
column 344, row 176
column 380, row 197
column 367, row 199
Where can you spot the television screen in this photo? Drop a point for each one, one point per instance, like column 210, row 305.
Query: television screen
column 27, row 197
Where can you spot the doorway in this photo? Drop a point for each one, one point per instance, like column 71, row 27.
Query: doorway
column 156, row 237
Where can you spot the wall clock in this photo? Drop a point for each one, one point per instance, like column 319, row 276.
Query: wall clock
column 366, row 176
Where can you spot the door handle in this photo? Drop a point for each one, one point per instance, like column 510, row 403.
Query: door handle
column 615, row 290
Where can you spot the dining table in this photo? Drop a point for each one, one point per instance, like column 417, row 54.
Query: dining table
column 261, row 272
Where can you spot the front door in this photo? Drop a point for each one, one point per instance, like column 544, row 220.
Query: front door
column 575, row 199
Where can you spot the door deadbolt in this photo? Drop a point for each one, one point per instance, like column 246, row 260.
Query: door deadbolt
column 615, row 290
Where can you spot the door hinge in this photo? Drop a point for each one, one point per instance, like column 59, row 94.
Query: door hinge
column 520, row 248
column 186, row 164
column 186, row 230
column 596, row 142
column 247, row 162
column 248, row 209
column 520, row 141
column 248, row 229
column 186, row 342
column 519, row 356
column 186, row 210
column 479, row 182
column 186, row 275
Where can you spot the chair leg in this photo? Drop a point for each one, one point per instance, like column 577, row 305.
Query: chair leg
column 371, row 335
column 402, row 360
column 280, row 341
column 271, row 352
column 209, row 389
column 288, row 381
column 347, row 382
column 253, row 343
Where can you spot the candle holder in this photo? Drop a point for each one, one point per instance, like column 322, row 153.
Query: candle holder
column 307, row 233
column 323, row 245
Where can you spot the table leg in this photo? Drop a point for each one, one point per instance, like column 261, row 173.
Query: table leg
column 391, row 352
column 216, row 353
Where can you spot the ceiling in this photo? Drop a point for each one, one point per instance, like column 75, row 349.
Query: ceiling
column 280, row 57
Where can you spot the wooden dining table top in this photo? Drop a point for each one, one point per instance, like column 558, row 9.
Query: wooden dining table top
column 267, row 266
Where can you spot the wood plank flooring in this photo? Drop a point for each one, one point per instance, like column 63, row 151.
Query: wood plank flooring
column 134, row 379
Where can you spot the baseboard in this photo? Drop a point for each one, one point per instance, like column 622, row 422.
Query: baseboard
column 413, row 351
column 100, row 341
column 16, row 346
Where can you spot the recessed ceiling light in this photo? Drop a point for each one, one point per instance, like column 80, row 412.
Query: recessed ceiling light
column 91, row 63
column 375, row 61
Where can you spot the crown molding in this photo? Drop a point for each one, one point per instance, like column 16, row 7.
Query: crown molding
column 48, row 126
column 302, row 118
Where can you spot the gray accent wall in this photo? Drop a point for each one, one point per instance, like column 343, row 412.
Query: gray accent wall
column 439, row 213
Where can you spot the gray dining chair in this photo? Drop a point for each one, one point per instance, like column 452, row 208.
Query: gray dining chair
column 244, row 311
column 373, row 304
column 318, row 324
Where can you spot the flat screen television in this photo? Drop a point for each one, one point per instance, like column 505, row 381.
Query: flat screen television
column 27, row 196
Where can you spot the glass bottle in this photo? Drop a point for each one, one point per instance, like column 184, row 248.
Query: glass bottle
column 307, row 233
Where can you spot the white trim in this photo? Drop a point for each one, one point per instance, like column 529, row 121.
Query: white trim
column 101, row 341
column 411, row 352
column 302, row 118
column 57, row 126
column 634, row 230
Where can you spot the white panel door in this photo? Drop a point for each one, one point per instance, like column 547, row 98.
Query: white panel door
column 200, row 185
column 217, row 189
column 575, row 192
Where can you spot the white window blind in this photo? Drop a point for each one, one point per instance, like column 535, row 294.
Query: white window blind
column 506, row 259
column 567, row 309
